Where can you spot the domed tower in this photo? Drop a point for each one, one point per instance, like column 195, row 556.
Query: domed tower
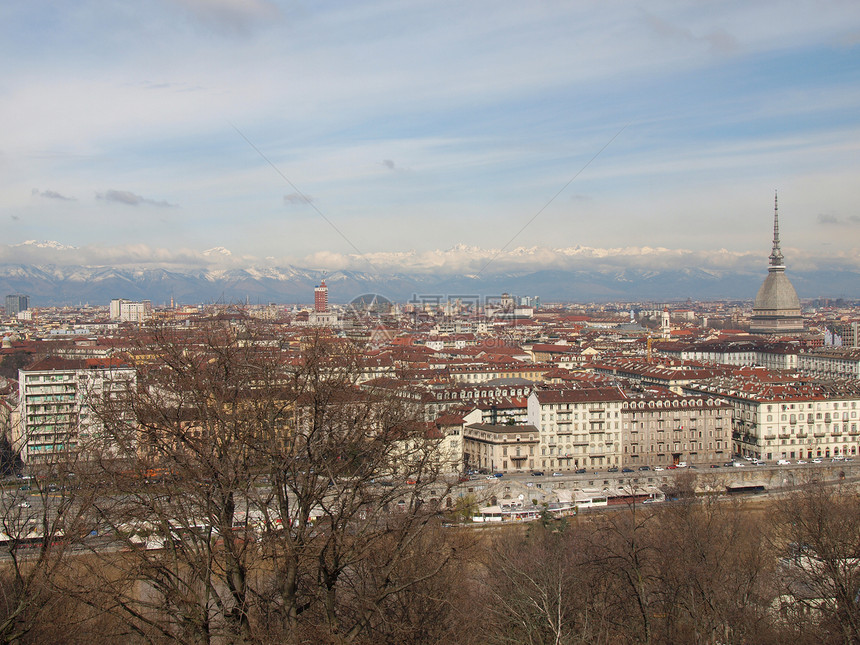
column 777, row 307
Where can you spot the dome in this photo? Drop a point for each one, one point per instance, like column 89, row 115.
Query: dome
column 777, row 307
column 777, row 294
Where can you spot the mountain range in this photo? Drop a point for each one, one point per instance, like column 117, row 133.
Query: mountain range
column 51, row 285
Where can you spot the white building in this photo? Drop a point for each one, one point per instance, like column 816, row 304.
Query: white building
column 779, row 421
column 831, row 362
column 128, row 311
column 55, row 403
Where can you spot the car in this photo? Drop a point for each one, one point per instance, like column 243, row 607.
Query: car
column 681, row 464
column 24, row 504
column 644, row 467
column 614, row 469
column 783, row 462
column 556, row 474
column 537, row 473
column 817, row 460
column 658, row 468
column 498, row 474
column 626, row 470
column 24, row 487
column 715, row 465
column 580, row 471
column 801, row 461
column 738, row 464
column 671, row 467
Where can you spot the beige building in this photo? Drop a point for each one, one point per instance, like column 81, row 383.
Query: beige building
column 577, row 428
column 668, row 430
column 500, row 448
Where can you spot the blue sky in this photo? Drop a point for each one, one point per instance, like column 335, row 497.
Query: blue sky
column 425, row 135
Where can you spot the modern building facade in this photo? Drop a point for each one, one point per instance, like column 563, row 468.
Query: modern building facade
column 129, row 311
column 57, row 401
column 16, row 303
column 321, row 298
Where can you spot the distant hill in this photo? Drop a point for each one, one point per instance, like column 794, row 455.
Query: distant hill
column 69, row 285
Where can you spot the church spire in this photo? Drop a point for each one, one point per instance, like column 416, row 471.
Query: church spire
column 776, row 258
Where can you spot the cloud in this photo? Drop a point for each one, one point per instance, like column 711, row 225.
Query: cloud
column 130, row 199
column 231, row 17
column 52, row 194
column 718, row 40
column 829, row 219
column 296, row 199
column 457, row 260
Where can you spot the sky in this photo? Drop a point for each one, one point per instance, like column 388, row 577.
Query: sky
column 429, row 135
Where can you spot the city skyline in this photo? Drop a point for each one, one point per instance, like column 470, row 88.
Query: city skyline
column 431, row 138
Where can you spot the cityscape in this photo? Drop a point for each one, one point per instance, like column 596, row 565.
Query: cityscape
column 430, row 323
column 464, row 412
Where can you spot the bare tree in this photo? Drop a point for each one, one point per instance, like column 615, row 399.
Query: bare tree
column 259, row 491
column 817, row 531
column 42, row 523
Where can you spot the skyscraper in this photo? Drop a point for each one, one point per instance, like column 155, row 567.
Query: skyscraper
column 777, row 307
column 321, row 298
column 16, row 303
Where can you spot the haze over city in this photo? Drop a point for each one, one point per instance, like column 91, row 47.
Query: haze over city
column 430, row 136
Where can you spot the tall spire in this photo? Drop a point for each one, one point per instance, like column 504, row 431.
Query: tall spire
column 776, row 258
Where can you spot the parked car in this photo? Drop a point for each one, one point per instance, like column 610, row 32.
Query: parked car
column 783, row 462
column 658, row 468
column 626, row 470
column 537, row 473
column 644, row 467
column 817, row 460
column 614, row 469
column 580, row 471
column 556, row 474
column 801, row 461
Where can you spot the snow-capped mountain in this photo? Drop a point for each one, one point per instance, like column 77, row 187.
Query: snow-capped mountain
column 67, row 285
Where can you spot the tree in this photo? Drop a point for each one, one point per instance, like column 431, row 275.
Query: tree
column 817, row 530
column 284, row 500
column 42, row 522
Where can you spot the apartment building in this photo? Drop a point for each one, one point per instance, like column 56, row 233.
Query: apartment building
column 665, row 430
column 831, row 362
column 128, row 311
column 791, row 421
column 577, row 428
column 56, row 399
